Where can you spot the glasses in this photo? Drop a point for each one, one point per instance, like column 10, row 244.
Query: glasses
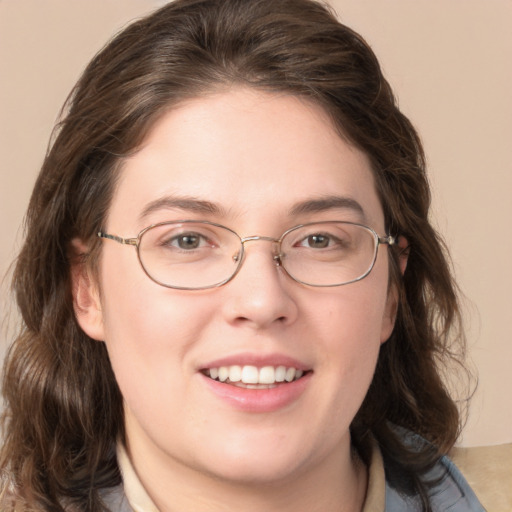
column 192, row 255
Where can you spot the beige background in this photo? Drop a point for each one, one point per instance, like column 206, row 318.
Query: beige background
column 449, row 62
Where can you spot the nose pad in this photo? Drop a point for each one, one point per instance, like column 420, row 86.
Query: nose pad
column 278, row 260
column 277, row 255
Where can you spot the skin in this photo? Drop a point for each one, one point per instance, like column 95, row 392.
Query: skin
column 255, row 155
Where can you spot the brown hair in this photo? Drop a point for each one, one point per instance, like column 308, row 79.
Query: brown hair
column 64, row 409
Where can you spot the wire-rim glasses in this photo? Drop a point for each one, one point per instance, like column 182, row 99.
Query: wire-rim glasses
column 197, row 255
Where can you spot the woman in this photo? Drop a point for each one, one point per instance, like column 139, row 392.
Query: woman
column 270, row 339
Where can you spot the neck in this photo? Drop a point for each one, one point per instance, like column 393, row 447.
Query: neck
column 336, row 484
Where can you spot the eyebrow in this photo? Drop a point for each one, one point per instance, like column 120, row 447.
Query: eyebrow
column 192, row 204
column 185, row 203
column 323, row 204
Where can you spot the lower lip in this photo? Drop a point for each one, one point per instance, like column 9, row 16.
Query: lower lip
column 259, row 400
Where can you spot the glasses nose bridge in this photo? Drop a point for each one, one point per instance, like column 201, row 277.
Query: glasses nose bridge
column 264, row 238
column 275, row 241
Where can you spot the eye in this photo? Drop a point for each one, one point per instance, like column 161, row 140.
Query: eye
column 319, row 241
column 188, row 241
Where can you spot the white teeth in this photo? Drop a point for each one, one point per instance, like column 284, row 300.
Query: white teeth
column 280, row 373
column 267, row 375
column 290, row 374
column 251, row 376
column 235, row 373
column 254, row 386
column 223, row 373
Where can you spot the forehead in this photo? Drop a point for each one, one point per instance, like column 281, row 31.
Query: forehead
column 247, row 153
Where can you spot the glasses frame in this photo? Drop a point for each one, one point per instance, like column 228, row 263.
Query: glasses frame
column 388, row 240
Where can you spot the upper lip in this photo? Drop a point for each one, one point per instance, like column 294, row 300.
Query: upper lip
column 258, row 360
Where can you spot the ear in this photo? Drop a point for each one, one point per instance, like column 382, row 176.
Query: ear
column 390, row 311
column 403, row 253
column 86, row 297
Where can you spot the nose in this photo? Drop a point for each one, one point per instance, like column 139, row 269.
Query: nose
column 261, row 294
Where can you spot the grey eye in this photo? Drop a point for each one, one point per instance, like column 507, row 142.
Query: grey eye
column 318, row 241
column 188, row 241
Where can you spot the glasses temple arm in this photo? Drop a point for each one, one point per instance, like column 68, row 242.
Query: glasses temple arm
column 124, row 241
column 390, row 240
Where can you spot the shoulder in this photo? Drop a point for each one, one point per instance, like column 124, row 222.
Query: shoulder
column 447, row 487
column 450, row 492
column 115, row 499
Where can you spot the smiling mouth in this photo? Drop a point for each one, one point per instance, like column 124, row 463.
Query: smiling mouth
column 252, row 377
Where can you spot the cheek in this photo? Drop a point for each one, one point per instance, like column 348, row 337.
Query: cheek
column 342, row 329
column 349, row 326
column 148, row 332
column 355, row 347
column 138, row 313
column 355, row 316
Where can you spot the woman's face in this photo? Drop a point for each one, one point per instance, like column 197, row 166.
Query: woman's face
column 258, row 164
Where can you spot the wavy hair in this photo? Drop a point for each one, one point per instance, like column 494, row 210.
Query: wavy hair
column 63, row 407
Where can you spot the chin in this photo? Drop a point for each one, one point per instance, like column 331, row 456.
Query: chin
column 262, row 462
column 251, row 472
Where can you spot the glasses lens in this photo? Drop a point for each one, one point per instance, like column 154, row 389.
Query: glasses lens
column 189, row 255
column 329, row 253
